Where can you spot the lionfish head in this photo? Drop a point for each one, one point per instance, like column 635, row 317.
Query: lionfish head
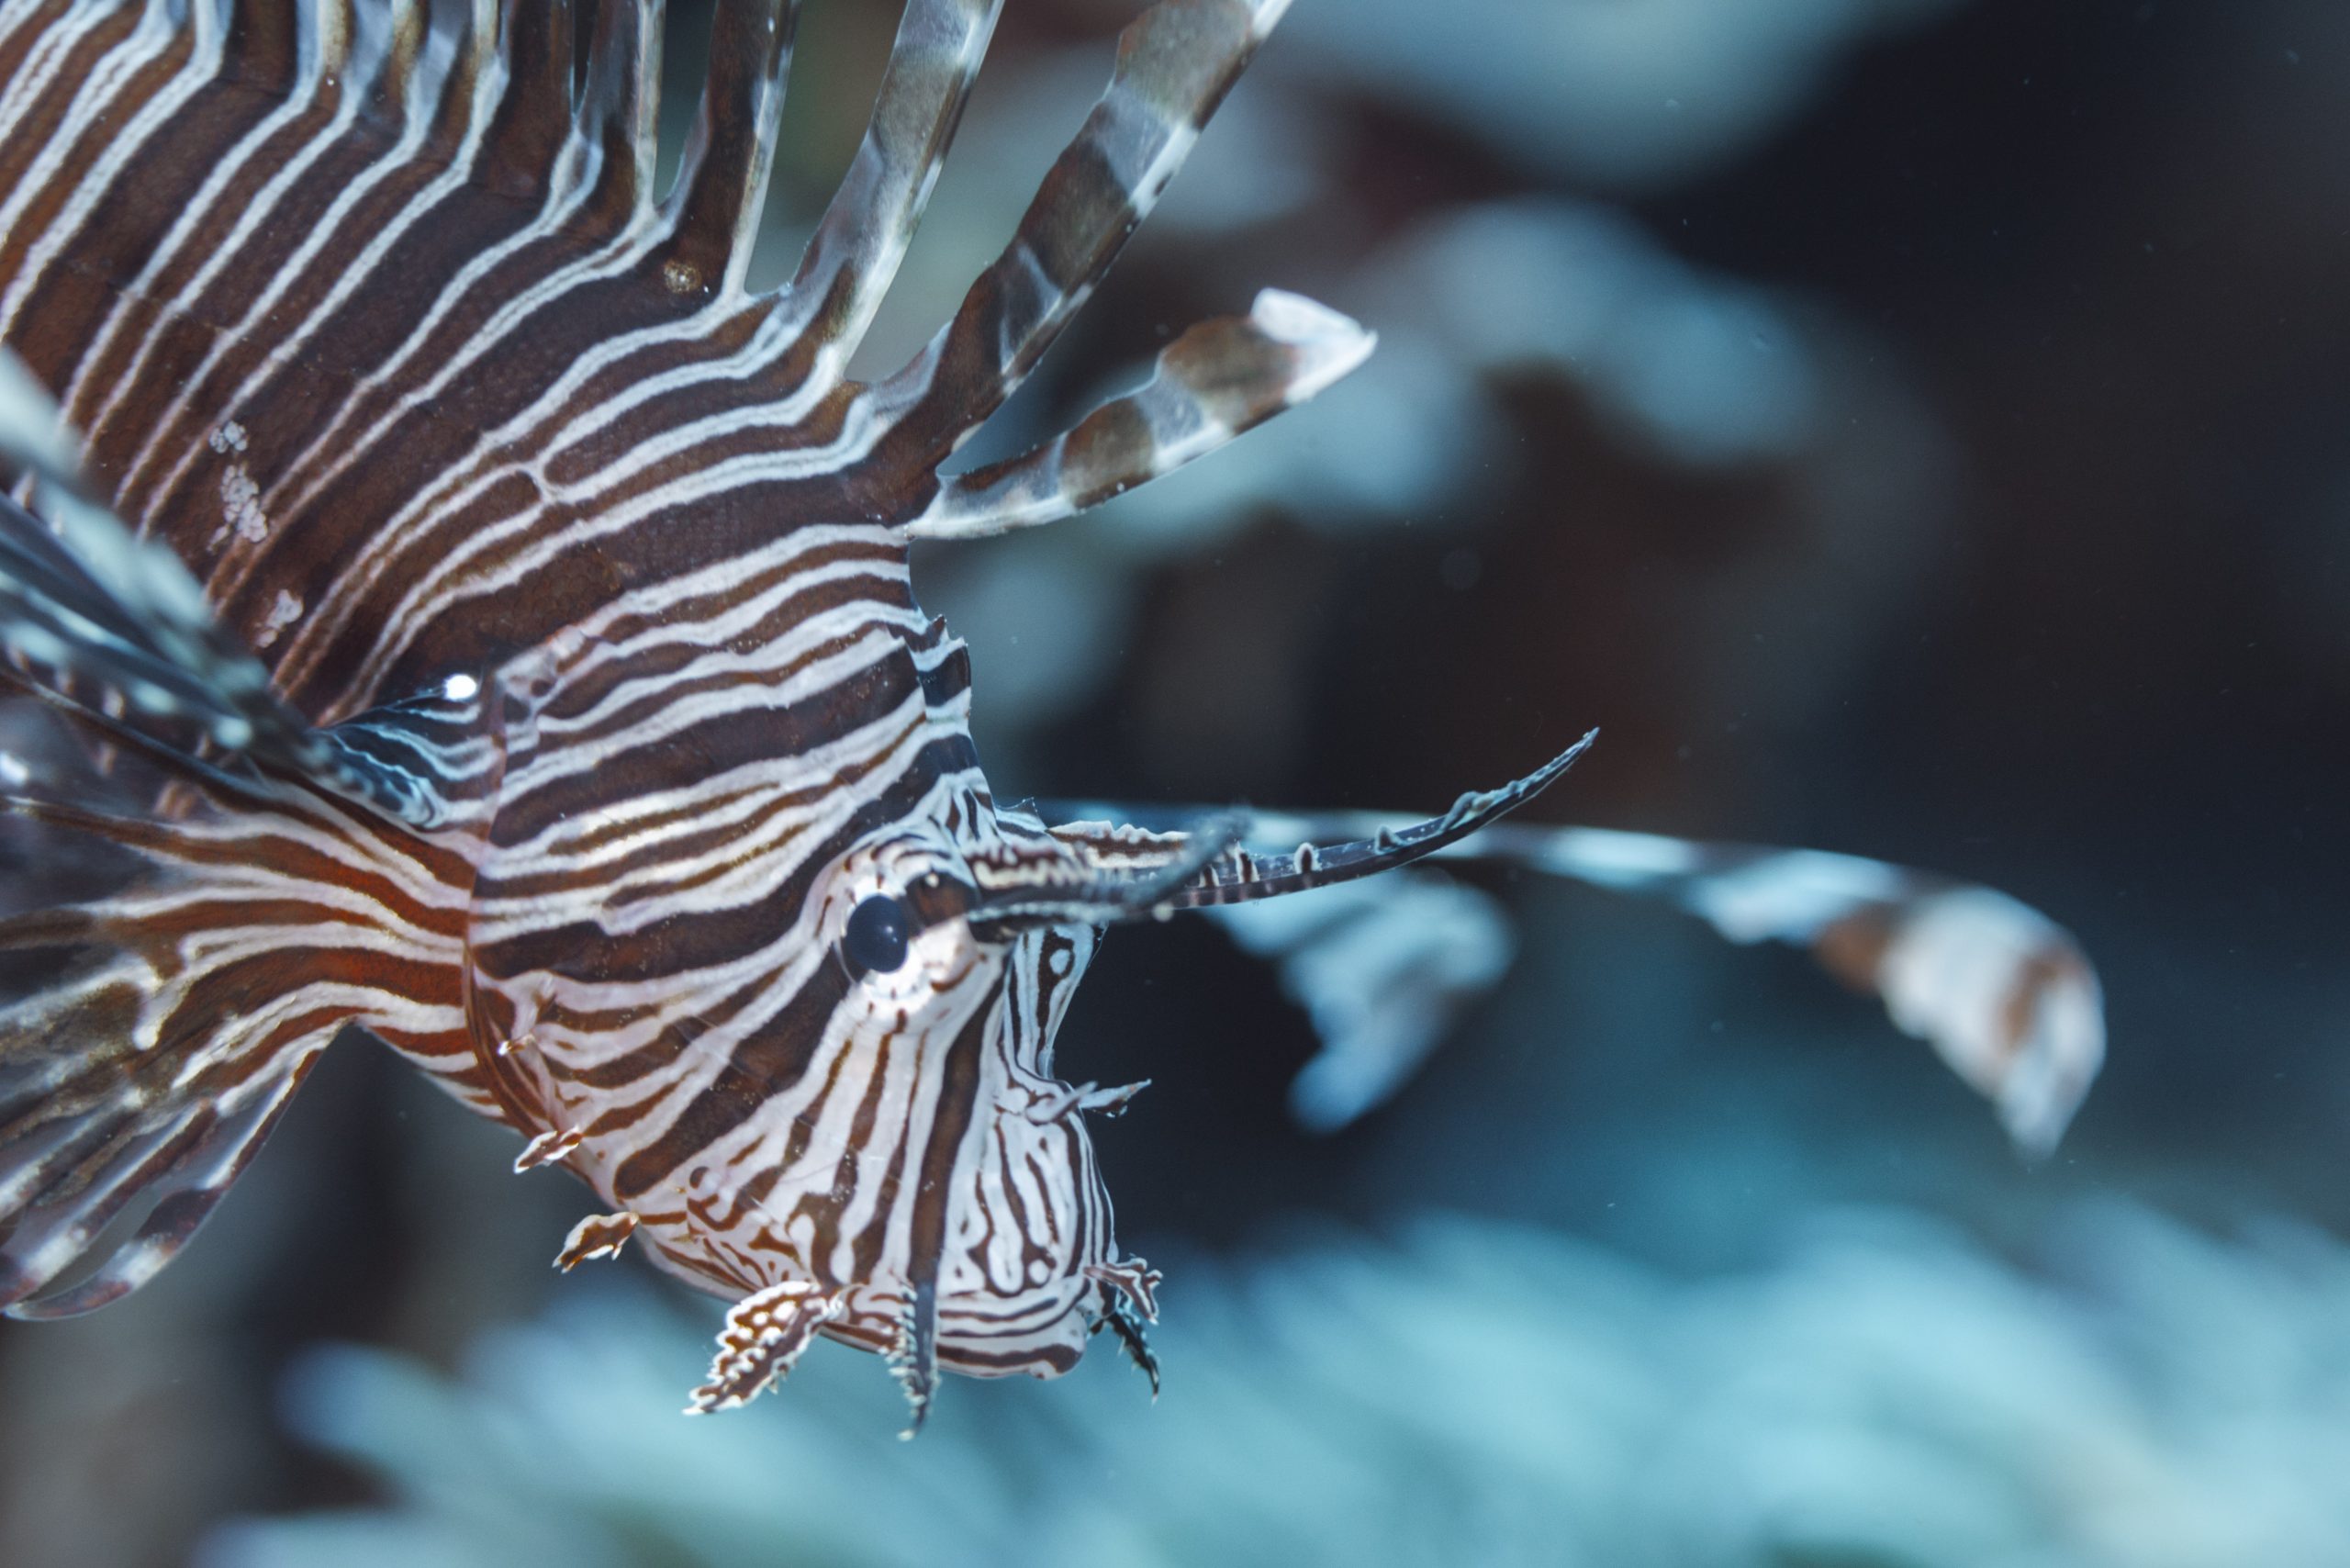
column 969, row 927
column 904, row 1165
column 935, row 1177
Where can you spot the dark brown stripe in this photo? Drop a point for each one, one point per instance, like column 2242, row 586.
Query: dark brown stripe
column 761, row 1067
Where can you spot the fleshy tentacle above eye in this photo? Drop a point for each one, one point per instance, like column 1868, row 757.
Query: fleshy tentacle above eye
column 1195, row 868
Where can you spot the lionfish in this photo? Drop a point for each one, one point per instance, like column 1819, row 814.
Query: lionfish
column 444, row 602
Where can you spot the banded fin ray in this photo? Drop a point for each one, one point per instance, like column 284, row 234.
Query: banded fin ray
column 89, row 601
column 1175, row 63
column 2003, row 995
column 862, row 237
column 721, row 182
column 152, row 1032
column 619, row 108
column 2006, row 996
column 1219, row 380
column 82, row 594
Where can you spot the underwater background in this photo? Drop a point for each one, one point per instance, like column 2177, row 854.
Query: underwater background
column 1919, row 428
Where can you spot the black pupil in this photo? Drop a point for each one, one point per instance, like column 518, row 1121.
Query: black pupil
column 876, row 935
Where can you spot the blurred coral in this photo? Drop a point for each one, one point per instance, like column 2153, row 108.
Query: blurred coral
column 1886, row 1392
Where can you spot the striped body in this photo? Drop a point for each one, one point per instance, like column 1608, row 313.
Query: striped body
column 600, row 564
column 468, row 614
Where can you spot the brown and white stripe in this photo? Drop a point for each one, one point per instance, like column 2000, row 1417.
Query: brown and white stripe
column 470, row 614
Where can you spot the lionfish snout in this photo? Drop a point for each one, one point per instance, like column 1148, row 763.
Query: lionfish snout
column 926, row 1187
column 1031, row 1267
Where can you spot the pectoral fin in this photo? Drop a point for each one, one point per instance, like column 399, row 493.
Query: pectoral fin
column 114, row 630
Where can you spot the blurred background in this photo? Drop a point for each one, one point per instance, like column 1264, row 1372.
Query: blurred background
column 1917, row 428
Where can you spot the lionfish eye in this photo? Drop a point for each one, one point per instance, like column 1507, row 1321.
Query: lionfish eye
column 877, row 936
